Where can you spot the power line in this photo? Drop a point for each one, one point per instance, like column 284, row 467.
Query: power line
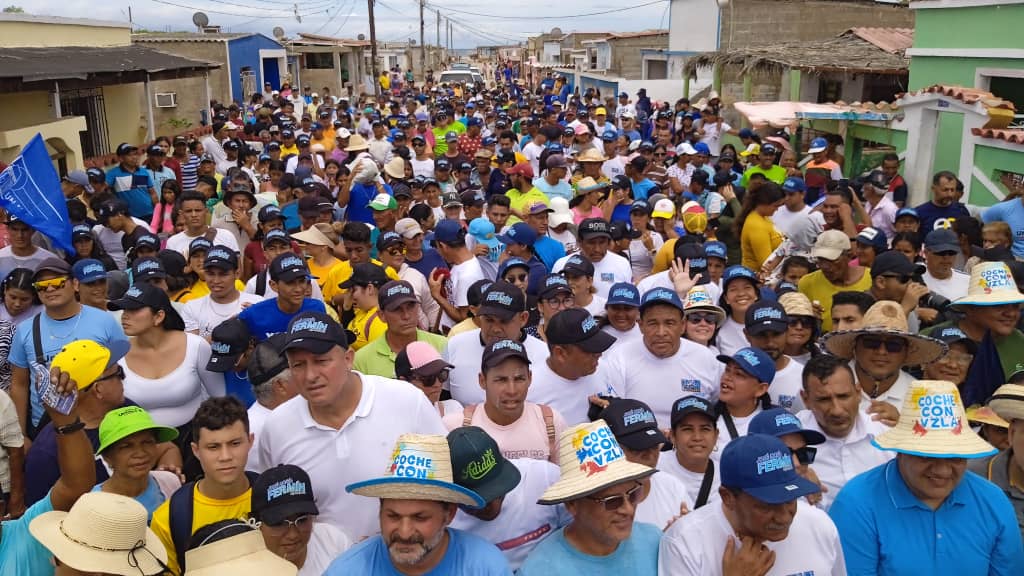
column 331, row 19
column 345, row 21
column 563, row 17
column 312, row 5
column 187, row 7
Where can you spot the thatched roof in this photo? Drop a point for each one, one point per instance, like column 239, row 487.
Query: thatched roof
column 848, row 52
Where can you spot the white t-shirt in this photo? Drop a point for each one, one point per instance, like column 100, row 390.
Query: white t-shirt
column 423, row 168
column 532, row 152
column 786, row 386
column 695, row 544
column 952, row 288
column 613, row 167
column 111, row 241
column 635, row 373
column 607, row 271
column 462, row 277
column 568, row 397
column 522, row 523
column 713, row 135
column 596, row 306
column 640, row 258
column 203, row 314
column 784, row 219
column 621, row 338
column 360, row 450
column 741, row 423
column 325, row 544
column 567, row 239
column 465, row 353
column 268, row 292
column 180, row 241
column 258, row 414
column 731, row 337
column 663, row 503
column 669, row 465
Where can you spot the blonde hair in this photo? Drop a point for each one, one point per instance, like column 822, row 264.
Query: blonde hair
column 1001, row 228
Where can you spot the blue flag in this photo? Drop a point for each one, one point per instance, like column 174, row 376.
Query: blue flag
column 30, row 189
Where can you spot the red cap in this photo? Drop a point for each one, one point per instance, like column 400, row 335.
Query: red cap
column 523, row 169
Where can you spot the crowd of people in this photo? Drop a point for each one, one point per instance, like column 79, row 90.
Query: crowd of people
column 472, row 330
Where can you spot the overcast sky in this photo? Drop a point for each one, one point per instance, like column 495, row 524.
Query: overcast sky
column 397, row 20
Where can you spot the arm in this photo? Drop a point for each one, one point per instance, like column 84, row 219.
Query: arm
column 16, row 459
column 20, row 394
column 74, row 452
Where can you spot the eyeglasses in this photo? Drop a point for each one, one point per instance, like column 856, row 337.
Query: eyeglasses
column 57, row 283
column 892, row 346
column 805, row 455
column 516, row 277
column 567, row 302
column 428, row 380
column 957, row 358
column 902, row 278
column 659, row 154
column 612, row 503
column 302, row 523
column 698, row 317
column 119, row 375
column 798, row 321
column 133, row 559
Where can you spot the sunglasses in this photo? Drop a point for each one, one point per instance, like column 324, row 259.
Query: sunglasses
column 805, row 455
column 428, row 380
column 516, row 277
column 612, row 503
column 893, row 346
column 118, row 375
column 396, row 251
column 304, row 522
column 901, row 278
column 57, row 283
column 698, row 317
column 804, row 321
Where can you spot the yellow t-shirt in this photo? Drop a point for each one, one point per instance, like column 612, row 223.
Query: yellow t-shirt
column 758, row 240
column 519, row 201
column 327, row 143
column 366, row 318
column 289, row 150
column 342, row 272
column 816, row 287
column 322, row 272
column 464, row 326
column 205, row 511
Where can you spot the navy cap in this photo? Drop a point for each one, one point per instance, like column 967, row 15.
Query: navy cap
column 576, row 327
column 692, row 404
column 502, row 299
column 268, row 213
column 609, row 135
column 954, row 335
column 716, row 249
column 394, row 294
column 80, row 231
column 633, row 423
column 941, row 240
column 660, row 295
column 513, row 262
column 753, row 361
column 766, row 316
column 448, row 231
column 874, row 238
column 736, row 272
column 276, row 235
column 287, row 267
column 592, row 228
column 640, row 206
column 365, row 274
column 778, row 422
column 199, row 244
column 314, row 332
column 624, row 294
column 794, row 184
column 762, row 466
column 578, row 265
column 519, row 233
column 442, row 164
column 282, row 492
column 229, row 340
column 89, row 270
column 231, row 145
column 146, row 268
column 552, row 285
column 502, row 350
column 126, row 148
column 221, row 257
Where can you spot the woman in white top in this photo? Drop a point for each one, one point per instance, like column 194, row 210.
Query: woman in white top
column 422, row 366
column 739, row 292
column 579, row 272
column 702, row 317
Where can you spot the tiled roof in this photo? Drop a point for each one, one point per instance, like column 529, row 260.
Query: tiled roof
column 967, row 95
column 189, row 37
column 1013, row 136
column 640, row 34
column 892, row 40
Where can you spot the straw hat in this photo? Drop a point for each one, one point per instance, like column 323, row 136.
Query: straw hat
column 591, row 155
column 698, row 298
column 313, row 236
column 933, row 424
column 797, row 304
column 103, row 533
column 395, row 167
column 886, row 318
column 356, row 143
column 588, row 184
column 420, row 469
column 241, row 555
column 1008, row 402
column 985, row 415
column 591, row 460
column 991, row 284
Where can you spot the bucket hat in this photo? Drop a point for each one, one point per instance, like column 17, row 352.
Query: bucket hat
column 1008, row 402
column 123, row 422
column 991, row 284
column 886, row 318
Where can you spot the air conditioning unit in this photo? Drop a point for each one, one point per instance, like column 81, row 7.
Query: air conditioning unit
column 167, row 100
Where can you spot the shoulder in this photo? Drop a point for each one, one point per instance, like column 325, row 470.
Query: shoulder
column 477, row 547
column 359, row 559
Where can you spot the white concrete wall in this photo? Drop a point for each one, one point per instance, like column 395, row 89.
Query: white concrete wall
column 693, row 26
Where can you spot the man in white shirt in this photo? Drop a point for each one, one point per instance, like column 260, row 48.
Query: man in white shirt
column 710, row 128
column 380, row 147
column 832, row 398
column 343, row 426
column 624, row 108
column 192, row 210
column 694, row 435
column 878, row 203
column 759, row 526
column 940, row 251
column 224, row 301
column 272, row 385
column 662, row 366
column 20, row 252
column 793, row 207
column 465, row 269
column 767, row 325
column 609, row 268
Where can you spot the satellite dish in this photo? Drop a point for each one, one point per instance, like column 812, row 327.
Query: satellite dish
column 361, row 37
column 278, row 32
column 556, row 31
column 412, row 42
column 200, row 19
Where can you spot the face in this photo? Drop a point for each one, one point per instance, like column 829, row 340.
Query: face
column 931, row 480
column 539, row 222
column 595, row 248
column 952, row 366
column 403, row 319
column 194, row 214
column 700, row 326
column 320, row 378
column 83, row 246
column 135, row 322
column 505, row 387
column 648, row 457
column 738, row 387
column 59, row 292
column 384, row 219
column 223, row 453
column 940, row 264
column 93, row 294
column 289, row 539
column 623, row 318
column 608, row 527
column 834, row 401
column 772, row 343
column 835, row 270
column 694, row 437
column 873, row 355
column 518, row 276
column 865, row 254
column 414, row 529
column 221, row 282
column 578, row 361
column 794, row 274
column 890, row 168
column 20, row 235
column 830, row 207
column 358, row 252
column 580, row 285
column 766, row 522
column 991, row 239
column 662, row 327
column 133, row 456
column 739, row 296
column 494, row 328
column 1001, row 319
column 944, row 192
column 905, row 248
column 17, row 300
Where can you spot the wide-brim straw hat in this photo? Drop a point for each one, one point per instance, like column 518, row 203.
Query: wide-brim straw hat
column 797, row 304
column 591, row 460
column 986, row 415
column 313, row 236
column 1008, row 402
column 395, row 167
column 591, row 155
column 886, row 318
column 992, row 284
column 933, row 424
column 245, row 554
column 356, row 142
column 698, row 299
column 588, row 184
column 103, row 533
column 420, row 469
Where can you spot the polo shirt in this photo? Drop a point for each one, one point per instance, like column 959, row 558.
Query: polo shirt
column 264, row 319
column 360, row 450
column 20, row 552
column 133, row 188
column 638, row 554
column 996, row 469
column 465, row 554
column 376, row 358
column 1011, row 212
column 775, row 174
column 465, row 351
column 885, row 529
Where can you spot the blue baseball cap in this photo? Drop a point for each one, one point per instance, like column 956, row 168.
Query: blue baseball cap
column 519, row 233
column 512, row 262
column 448, row 231
column 474, row 121
column 735, row 272
column 89, row 270
column 488, row 141
column 908, row 212
column 762, row 466
column 660, row 296
column 702, row 148
column 874, row 238
column 753, row 361
column 746, row 133
column 794, row 184
column 778, row 422
column 623, row 293
column 716, row 249
column 766, row 316
column 609, row 135
column 818, row 145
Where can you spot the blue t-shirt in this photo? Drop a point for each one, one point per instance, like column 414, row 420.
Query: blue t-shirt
column 621, row 213
column 20, row 553
column 237, row 384
column 933, row 216
column 431, row 259
column 466, row 554
column 359, row 196
column 151, row 498
column 290, row 212
column 264, row 319
column 636, row 556
column 644, row 188
column 561, row 189
column 885, row 529
column 133, row 188
column 1011, row 212
column 548, row 250
column 90, row 324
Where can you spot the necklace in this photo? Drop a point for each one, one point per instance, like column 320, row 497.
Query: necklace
column 54, row 336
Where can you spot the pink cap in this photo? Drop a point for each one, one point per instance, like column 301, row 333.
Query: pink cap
column 419, row 357
column 582, row 129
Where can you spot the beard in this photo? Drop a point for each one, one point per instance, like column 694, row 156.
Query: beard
column 425, row 546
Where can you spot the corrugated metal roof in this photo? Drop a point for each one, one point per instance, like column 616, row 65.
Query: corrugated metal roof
column 892, row 40
column 189, row 37
column 36, row 64
column 1013, row 136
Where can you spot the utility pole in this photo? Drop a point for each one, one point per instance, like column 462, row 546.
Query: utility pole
column 373, row 50
column 423, row 44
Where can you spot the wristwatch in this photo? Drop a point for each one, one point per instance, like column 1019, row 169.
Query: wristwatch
column 69, row 428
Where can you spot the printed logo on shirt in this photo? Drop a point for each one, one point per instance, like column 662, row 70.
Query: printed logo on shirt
column 596, row 449
column 690, row 385
column 607, row 277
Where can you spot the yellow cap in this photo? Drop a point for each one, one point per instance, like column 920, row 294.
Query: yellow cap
column 83, row 360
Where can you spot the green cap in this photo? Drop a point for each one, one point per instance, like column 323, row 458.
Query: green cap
column 123, row 422
column 383, row 201
column 479, row 465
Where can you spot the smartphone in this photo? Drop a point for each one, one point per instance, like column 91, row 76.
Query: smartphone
column 48, row 394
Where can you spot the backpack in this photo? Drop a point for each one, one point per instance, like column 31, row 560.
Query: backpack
column 261, row 282
column 179, row 516
column 549, row 425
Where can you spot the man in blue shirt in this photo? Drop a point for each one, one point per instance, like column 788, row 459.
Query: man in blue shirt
column 642, row 186
column 131, row 183
column 289, row 277
column 944, row 207
column 418, row 500
column 923, row 513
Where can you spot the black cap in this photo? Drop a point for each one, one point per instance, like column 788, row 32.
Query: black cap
column 126, row 148
column 110, row 208
column 576, row 327
column 221, row 257
column 692, row 404
column 142, row 295
column 199, row 244
column 281, row 492
column 395, row 293
column 620, row 229
column 633, row 424
column 230, row 339
column 478, row 464
column 475, row 294
column 891, row 263
column 693, row 253
column 231, row 145
column 366, row 274
column 314, row 332
column 146, row 268
column 553, row 284
column 502, row 299
column 578, row 265
column 267, row 360
column 621, row 182
column 147, row 240
column 387, row 239
column 766, row 316
column 155, row 150
column 287, row 267
column 268, row 213
column 593, row 227
column 502, row 350
column 276, row 235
